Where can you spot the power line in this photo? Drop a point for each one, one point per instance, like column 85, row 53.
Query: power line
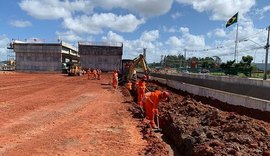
column 255, row 34
column 227, row 46
column 224, row 46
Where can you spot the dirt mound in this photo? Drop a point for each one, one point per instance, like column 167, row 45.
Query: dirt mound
column 198, row 129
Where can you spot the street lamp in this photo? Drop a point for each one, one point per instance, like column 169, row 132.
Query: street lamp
column 266, row 54
column 260, row 46
column 254, row 42
column 255, row 55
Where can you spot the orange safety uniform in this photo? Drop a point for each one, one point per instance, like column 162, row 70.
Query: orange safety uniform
column 129, row 86
column 95, row 73
column 150, row 103
column 88, row 73
column 140, row 91
column 115, row 79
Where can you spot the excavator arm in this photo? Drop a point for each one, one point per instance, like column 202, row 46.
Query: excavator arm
column 137, row 61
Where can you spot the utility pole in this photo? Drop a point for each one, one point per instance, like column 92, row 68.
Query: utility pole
column 161, row 61
column 185, row 50
column 180, row 61
column 266, row 56
column 236, row 45
column 144, row 53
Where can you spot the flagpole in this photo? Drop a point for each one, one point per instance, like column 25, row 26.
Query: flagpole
column 236, row 44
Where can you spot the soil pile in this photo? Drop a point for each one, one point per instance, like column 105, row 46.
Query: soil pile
column 198, row 129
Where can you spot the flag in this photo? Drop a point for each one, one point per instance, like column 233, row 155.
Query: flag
column 232, row 20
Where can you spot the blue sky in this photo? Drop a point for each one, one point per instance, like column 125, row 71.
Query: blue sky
column 164, row 27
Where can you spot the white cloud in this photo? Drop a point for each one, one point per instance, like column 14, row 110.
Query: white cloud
column 112, row 37
column 217, row 33
column 176, row 15
column 184, row 30
column 154, row 48
column 69, row 36
column 172, row 29
column 190, row 40
column 20, row 23
column 220, row 32
column 94, row 24
column 174, row 41
column 150, row 36
column 132, row 48
column 220, row 9
column 44, row 10
column 142, row 7
column 4, row 41
column 262, row 11
column 54, row 9
column 185, row 40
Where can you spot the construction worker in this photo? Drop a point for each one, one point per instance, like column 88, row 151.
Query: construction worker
column 150, row 103
column 134, row 84
column 141, row 85
column 115, row 79
column 134, row 77
column 88, row 73
column 95, row 73
column 98, row 74
column 129, row 85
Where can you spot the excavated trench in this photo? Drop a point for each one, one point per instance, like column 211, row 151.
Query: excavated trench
column 196, row 125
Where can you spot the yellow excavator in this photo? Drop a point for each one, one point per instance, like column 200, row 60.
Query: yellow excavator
column 130, row 70
column 74, row 69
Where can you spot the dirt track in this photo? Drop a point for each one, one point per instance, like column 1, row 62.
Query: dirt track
column 52, row 114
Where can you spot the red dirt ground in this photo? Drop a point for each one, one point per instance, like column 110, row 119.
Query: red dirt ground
column 197, row 128
column 53, row 114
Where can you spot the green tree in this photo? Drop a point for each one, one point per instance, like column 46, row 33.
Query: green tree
column 245, row 65
column 174, row 61
column 207, row 62
column 217, row 61
column 232, row 68
column 229, row 68
column 181, row 60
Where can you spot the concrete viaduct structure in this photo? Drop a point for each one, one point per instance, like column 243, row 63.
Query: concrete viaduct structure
column 43, row 57
column 52, row 57
column 104, row 56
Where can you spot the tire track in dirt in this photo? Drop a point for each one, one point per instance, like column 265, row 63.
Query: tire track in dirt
column 32, row 101
column 38, row 122
column 93, row 122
